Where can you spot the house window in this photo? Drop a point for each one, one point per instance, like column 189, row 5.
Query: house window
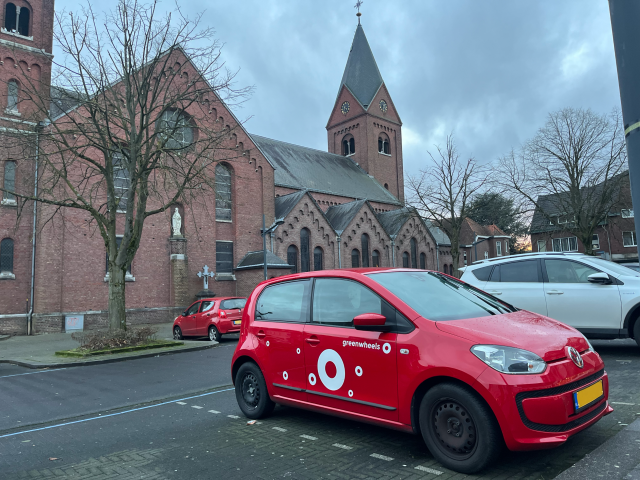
column 175, row 129
column 499, row 249
column 506, row 247
column 567, row 244
column 224, row 257
column 627, row 213
column 9, row 182
column 486, row 255
column 10, row 17
column 464, row 256
column 23, row 21
column 542, row 245
column 355, row 258
column 595, row 241
column 318, row 263
column 6, row 256
column 364, row 241
column 423, row 261
column 223, row 193
column 292, row 258
column 629, row 239
column 414, row 253
column 375, row 258
column 305, row 265
column 348, row 145
column 405, row 260
column 118, row 242
column 121, row 180
column 12, row 96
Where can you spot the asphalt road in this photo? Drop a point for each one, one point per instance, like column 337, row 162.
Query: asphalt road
column 173, row 417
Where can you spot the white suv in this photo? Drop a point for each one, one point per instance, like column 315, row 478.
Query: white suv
column 598, row 297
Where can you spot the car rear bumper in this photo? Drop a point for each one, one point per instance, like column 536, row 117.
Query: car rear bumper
column 541, row 413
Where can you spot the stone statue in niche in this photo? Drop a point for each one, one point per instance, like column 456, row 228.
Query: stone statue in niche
column 176, row 223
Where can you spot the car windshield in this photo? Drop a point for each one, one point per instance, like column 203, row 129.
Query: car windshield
column 439, row 297
column 616, row 268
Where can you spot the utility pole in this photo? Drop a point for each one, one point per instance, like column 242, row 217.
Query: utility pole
column 625, row 18
column 265, row 232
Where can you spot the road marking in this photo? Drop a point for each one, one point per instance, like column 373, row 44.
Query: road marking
column 113, row 414
column 309, row 437
column 428, row 470
column 31, row 373
column 214, row 411
column 196, row 406
column 381, row 457
column 345, row 447
column 280, row 429
column 233, row 416
column 623, row 403
column 181, row 403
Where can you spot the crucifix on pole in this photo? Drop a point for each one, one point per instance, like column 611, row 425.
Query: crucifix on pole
column 358, row 5
column 205, row 274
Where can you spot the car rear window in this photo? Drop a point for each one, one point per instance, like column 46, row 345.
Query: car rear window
column 233, row 303
column 483, row 273
column 438, row 297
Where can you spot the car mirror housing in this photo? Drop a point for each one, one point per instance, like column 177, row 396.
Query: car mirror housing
column 373, row 322
column 600, row 277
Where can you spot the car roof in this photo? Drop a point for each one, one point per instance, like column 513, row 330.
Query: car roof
column 342, row 272
column 523, row 256
column 219, row 298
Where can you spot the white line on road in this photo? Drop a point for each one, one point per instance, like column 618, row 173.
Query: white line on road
column 381, row 457
column 196, row 406
column 428, row 470
column 233, row 416
column 31, row 373
column 622, row 403
column 309, row 437
column 214, row 411
column 345, row 447
column 113, row 414
column 181, row 403
column 280, row 429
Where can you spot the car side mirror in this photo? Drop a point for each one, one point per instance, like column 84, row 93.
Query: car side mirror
column 372, row 322
column 184, row 314
column 600, row 277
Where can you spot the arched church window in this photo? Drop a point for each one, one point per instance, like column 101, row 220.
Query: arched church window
column 414, row 253
column 446, row 268
column 23, row 21
column 292, row 258
column 375, row 258
column 223, row 193
column 12, row 95
column 10, row 16
column 176, row 130
column 386, row 185
column 348, row 145
column 383, row 144
column 355, row 258
column 6, row 256
column 305, row 265
column 364, row 240
column 9, row 182
column 318, row 263
column 405, row 260
column 423, row 261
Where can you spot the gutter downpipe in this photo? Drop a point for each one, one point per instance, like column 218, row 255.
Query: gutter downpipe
column 33, row 236
column 339, row 252
column 437, row 256
column 393, row 252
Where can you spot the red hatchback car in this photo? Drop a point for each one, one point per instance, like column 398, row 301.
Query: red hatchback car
column 213, row 317
column 422, row 352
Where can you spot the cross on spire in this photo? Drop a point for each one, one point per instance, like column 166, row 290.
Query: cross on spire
column 358, row 5
column 205, row 274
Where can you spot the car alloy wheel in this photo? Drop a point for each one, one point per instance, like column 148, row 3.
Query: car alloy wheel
column 454, row 428
column 214, row 335
column 177, row 333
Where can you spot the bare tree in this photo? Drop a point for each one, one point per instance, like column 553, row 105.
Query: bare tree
column 568, row 174
column 443, row 192
column 131, row 129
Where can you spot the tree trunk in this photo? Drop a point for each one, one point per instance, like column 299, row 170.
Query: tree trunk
column 117, row 314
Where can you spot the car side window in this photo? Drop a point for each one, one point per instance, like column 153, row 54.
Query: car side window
column 284, row 302
column 483, row 273
column 564, row 271
column 206, row 306
column 336, row 301
column 525, row 271
column 193, row 309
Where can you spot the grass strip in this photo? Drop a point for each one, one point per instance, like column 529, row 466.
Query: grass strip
column 77, row 353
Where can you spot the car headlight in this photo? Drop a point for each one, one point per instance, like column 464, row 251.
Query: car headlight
column 514, row 361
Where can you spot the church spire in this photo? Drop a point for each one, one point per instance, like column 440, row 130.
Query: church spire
column 361, row 75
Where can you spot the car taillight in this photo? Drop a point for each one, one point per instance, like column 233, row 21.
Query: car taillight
column 223, row 314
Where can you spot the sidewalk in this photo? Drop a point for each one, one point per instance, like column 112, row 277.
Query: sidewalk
column 38, row 351
column 617, row 458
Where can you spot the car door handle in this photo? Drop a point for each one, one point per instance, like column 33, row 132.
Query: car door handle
column 494, row 292
column 554, row 292
column 312, row 340
column 261, row 334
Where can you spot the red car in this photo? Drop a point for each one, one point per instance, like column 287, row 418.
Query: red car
column 422, row 352
column 210, row 316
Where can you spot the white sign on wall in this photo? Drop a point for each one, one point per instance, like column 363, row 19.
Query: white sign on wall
column 74, row 323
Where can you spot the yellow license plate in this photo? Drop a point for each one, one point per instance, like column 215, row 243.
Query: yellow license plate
column 588, row 395
column 237, row 322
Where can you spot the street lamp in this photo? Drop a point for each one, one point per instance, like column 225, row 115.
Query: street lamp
column 265, row 232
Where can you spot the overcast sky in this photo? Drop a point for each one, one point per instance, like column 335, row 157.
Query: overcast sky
column 490, row 70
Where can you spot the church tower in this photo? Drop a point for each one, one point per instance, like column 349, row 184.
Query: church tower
column 364, row 124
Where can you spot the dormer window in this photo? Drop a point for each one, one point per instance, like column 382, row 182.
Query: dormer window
column 17, row 19
column 348, row 145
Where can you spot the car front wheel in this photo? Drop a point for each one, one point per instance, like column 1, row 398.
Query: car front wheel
column 636, row 331
column 251, row 392
column 459, row 428
column 214, row 334
column 177, row 333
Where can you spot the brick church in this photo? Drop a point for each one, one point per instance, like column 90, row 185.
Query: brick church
column 341, row 208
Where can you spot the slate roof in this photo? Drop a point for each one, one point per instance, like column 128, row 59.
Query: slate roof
column 339, row 216
column 438, row 234
column 318, row 171
column 256, row 260
column 361, row 74
column 62, row 101
column 393, row 220
column 470, row 229
column 286, row 203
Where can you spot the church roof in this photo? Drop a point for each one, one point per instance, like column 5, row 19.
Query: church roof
column 393, row 220
column 286, row 203
column 340, row 216
column 437, row 233
column 306, row 168
column 361, row 75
